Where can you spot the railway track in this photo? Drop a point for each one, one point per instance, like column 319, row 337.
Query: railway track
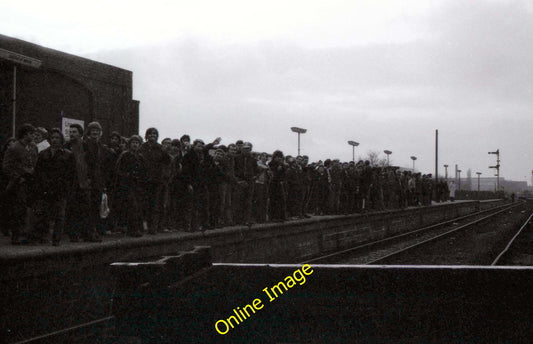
column 385, row 250
column 519, row 250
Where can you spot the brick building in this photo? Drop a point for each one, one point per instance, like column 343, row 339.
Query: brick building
column 53, row 88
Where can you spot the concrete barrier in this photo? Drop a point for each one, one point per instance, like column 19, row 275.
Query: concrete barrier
column 336, row 304
column 46, row 289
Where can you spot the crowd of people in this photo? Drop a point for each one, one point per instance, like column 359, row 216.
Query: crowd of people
column 50, row 186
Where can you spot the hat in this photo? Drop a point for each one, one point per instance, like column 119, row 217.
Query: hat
column 94, row 125
column 137, row 138
column 116, row 134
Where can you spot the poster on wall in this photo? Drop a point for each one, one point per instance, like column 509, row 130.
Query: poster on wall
column 65, row 125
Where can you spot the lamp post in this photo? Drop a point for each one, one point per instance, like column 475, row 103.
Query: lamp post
column 414, row 159
column 446, row 172
column 299, row 131
column 459, row 173
column 388, row 152
column 353, row 144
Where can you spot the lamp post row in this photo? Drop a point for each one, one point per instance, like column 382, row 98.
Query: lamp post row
column 414, row 158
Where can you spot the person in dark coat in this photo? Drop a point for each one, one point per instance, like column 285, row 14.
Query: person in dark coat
column 366, row 181
column 195, row 172
column 131, row 170
column 231, row 187
column 307, row 177
column 278, row 204
column 217, row 178
column 98, row 160
column 54, row 175
column 335, row 172
column 157, row 171
column 246, row 171
column 114, row 150
column 295, row 190
column 78, row 203
column 321, row 187
column 18, row 165
column 261, row 189
column 175, row 207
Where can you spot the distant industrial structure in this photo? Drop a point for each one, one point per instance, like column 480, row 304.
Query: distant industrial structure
column 49, row 88
column 490, row 184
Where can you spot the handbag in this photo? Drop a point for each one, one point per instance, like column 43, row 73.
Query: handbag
column 104, row 206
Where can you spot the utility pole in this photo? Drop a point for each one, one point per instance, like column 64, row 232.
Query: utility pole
column 436, row 155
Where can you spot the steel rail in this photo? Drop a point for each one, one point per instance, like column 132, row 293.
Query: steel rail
column 510, row 243
column 403, row 250
column 399, row 236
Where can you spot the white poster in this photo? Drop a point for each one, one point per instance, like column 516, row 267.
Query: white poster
column 65, row 125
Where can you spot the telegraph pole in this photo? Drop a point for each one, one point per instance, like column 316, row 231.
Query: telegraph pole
column 436, row 155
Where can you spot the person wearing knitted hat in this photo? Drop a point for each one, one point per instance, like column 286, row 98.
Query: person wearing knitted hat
column 157, row 172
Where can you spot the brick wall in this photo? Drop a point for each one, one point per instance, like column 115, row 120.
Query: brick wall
column 81, row 88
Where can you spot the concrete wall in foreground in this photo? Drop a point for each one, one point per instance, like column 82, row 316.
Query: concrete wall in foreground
column 336, row 304
column 70, row 288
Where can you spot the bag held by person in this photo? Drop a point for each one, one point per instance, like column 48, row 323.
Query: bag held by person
column 104, row 207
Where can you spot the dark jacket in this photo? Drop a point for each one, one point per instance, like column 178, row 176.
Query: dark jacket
column 197, row 169
column 97, row 156
column 245, row 167
column 92, row 163
column 19, row 161
column 131, row 169
column 157, row 162
column 278, row 172
column 55, row 174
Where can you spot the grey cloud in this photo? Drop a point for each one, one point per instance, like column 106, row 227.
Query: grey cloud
column 466, row 76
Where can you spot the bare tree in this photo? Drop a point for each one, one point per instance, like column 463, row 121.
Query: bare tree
column 374, row 158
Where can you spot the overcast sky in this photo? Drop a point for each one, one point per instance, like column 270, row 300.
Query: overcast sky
column 382, row 73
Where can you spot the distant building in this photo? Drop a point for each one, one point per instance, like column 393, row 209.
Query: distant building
column 49, row 88
column 490, row 184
